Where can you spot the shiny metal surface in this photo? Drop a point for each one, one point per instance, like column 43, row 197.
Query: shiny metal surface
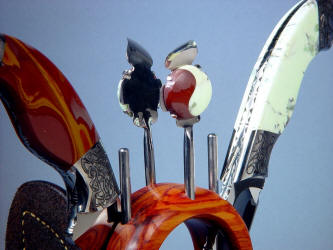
column 187, row 122
column 189, row 162
column 76, row 200
column 98, row 180
column 212, row 172
column 125, row 184
column 72, row 223
column 183, row 55
column 149, row 156
column 212, row 163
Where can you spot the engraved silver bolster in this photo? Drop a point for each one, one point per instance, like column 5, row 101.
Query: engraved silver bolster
column 325, row 8
column 96, row 171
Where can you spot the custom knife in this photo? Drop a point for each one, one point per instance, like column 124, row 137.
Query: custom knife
column 138, row 95
column 186, row 95
column 53, row 124
column 270, row 98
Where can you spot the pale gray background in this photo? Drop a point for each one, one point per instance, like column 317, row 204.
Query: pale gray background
column 87, row 41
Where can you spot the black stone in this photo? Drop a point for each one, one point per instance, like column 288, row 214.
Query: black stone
column 142, row 91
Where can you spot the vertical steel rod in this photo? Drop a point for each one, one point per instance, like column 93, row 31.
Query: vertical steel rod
column 212, row 163
column 149, row 156
column 125, row 184
column 212, row 174
column 189, row 162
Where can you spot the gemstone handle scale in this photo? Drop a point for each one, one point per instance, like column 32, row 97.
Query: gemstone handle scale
column 47, row 113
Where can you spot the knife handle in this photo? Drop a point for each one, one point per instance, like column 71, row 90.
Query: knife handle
column 48, row 115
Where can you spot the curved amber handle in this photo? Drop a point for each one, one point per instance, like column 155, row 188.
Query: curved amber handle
column 45, row 110
column 159, row 209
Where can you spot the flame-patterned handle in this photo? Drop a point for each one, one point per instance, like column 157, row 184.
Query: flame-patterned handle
column 157, row 210
column 45, row 110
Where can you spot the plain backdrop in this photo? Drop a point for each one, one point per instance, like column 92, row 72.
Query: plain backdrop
column 87, row 42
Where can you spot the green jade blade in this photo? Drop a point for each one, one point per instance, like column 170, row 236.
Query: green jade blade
column 268, row 104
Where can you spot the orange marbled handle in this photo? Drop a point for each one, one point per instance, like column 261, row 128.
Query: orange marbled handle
column 45, row 110
column 159, row 209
